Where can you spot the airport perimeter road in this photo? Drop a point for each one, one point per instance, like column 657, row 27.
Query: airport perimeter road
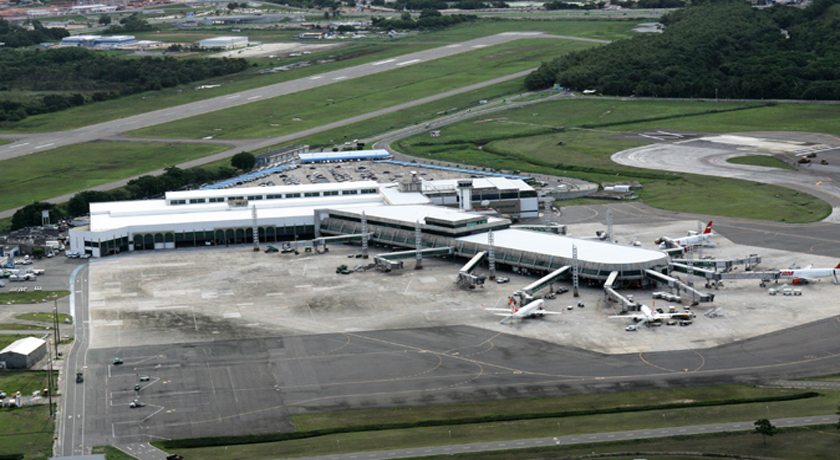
column 31, row 143
column 71, row 416
column 574, row 439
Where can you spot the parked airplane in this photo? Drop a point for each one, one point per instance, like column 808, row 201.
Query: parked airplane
column 810, row 275
column 534, row 308
column 693, row 239
column 648, row 316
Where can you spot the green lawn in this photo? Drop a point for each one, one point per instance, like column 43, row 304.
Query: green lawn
column 761, row 160
column 602, row 29
column 45, row 317
column 498, row 431
column 13, row 298
column 307, row 109
column 77, row 167
column 7, row 339
column 415, row 114
column 576, row 138
column 171, row 97
column 27, row 430
column 812, row 443
column 22, row 327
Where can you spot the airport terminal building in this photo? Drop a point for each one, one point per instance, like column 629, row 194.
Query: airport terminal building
column 392, row 212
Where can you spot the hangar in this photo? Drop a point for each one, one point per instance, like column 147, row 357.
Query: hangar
column 23, row 353
column 226, row 43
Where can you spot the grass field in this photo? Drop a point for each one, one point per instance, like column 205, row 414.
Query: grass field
column 498, row 431
column 45, row 317
column 20, row 327
column 812, row 443
column 576, row 138
column 13, row 298
column 170, row 97
column 27, row 430
column 761, row 160
column 307, row 109
column 599, row 29
column 7, row 339
column 77, row 167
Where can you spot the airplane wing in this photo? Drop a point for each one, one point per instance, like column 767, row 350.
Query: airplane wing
column 628, row 316
column 499, row 309
column 548, row 312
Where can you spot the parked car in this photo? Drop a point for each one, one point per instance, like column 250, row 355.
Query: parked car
column 502, row 280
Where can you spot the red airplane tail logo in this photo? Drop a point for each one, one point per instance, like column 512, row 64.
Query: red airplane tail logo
column 708, row 228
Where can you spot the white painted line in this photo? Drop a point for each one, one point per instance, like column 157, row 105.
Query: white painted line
column 254, row 97
column 274, row 294
column 340, row 78
column 18, row 145
column 304, row 286
column 408, row 62
column 45, row 146
column 233, row 97
column 317, row 77
column 244, row 304
column 478, row 46
column 452, row 46
column 384, row 62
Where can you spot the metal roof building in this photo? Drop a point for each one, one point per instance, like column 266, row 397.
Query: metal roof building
column 23, row 353
column 347, row 155
column 227, row 43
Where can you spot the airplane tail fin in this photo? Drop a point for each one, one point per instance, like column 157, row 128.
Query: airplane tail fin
column 708, row 228
column 838, row 266
column 512, row 305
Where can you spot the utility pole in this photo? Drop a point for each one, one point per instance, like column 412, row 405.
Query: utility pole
column 55, row 325
column 50, row 382
column 255, row 228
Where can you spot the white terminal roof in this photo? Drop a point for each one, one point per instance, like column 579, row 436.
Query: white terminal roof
column 500, row 183
column 561, row 246
column 411, row 214
column 271, row 190
column 148, row 214
column 24, row 346
column 393, row 196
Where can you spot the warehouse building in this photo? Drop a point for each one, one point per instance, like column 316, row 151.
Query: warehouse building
column 23, row 353
column 225, row 43
column 95, row 41
column 281, row 155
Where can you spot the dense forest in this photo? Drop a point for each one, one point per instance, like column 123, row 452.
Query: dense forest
column 86, row 76
column 14, row 36
column 725, row 49
column 429, row 19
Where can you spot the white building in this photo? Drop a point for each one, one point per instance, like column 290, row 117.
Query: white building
column 226, row 43
column 23, row 353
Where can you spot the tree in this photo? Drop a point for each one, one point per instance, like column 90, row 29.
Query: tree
column 243, row 160
column 765, row 428
column 30, row 215
column 105, row 19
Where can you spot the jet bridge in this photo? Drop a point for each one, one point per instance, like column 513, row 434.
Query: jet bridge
column 546, row 280
column 679, row 285
column 611, row 294
column 721, row 265
column 389, row 261
column 466, row 278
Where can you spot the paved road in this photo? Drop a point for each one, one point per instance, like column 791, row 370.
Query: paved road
column 71, row 429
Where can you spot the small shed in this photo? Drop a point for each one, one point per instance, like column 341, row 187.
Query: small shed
column 23, row 353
